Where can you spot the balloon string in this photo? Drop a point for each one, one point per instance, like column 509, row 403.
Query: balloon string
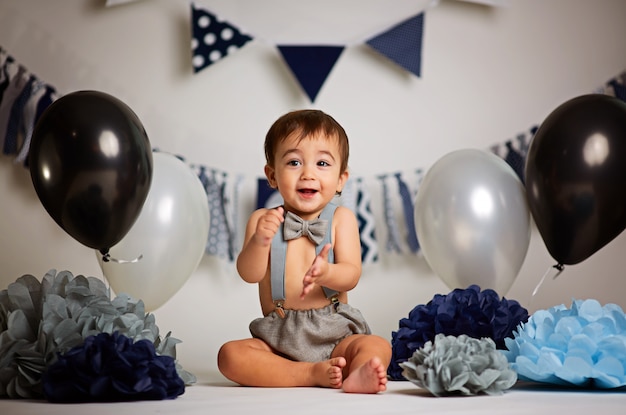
column 558, row 267
column 108, row 258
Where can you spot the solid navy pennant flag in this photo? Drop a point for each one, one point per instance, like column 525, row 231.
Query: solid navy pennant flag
column 267, row 196
column 619, row 89
column 516, row 159
column 311, row 65
column 212, row 39
column 402, row 44
column 407, row 196
column 514, row 153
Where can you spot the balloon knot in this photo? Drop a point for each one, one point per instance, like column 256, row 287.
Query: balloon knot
column 108, row 258
column 559, row 267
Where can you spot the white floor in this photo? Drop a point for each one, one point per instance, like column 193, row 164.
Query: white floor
column 214, row 395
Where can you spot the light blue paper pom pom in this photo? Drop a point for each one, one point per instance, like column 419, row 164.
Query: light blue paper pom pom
column 584, row 345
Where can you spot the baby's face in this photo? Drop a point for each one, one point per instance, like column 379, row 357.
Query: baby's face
column 307, row 173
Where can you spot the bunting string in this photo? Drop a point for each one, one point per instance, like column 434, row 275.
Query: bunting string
column 24, row 97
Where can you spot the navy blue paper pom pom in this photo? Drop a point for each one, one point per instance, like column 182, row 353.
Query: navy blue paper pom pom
column 107, row 368
column 470, row 311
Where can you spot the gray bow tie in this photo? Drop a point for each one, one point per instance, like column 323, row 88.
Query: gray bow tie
column 296, row 227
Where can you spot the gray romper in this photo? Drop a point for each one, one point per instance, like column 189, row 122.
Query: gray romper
column 306, row 335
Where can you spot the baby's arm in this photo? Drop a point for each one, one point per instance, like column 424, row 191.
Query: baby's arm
column 344, row 274
column 253, row 259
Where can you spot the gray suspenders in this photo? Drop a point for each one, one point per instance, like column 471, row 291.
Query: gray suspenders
column 278, row 257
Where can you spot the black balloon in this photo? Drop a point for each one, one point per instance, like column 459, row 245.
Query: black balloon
column 576, row 176
column 90, row 161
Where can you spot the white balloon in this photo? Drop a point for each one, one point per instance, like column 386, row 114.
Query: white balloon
column 170, row 234
column 472, row 220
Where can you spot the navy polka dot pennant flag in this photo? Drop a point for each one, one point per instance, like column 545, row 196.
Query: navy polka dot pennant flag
column 311, row 65
column 402, row 44
column 212, row 39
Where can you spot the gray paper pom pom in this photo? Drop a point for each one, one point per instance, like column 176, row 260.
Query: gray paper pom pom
column 39, row 319
column 459, row 366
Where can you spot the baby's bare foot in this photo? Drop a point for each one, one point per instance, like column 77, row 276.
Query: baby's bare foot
column 329, row 372
column 369, row 378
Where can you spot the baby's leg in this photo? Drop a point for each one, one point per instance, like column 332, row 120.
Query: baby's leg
column 251, row 362
column 367, row 359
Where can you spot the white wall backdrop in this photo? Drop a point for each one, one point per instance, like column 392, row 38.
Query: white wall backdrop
column 488, row 73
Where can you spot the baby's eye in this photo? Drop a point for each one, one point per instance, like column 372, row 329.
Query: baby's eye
column 293, row 163
column 323, row 163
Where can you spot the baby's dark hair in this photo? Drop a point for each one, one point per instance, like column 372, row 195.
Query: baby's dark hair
column 306, row 123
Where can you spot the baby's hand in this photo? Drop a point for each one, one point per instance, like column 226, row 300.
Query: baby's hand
column 268, row 224
column 318, row 269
